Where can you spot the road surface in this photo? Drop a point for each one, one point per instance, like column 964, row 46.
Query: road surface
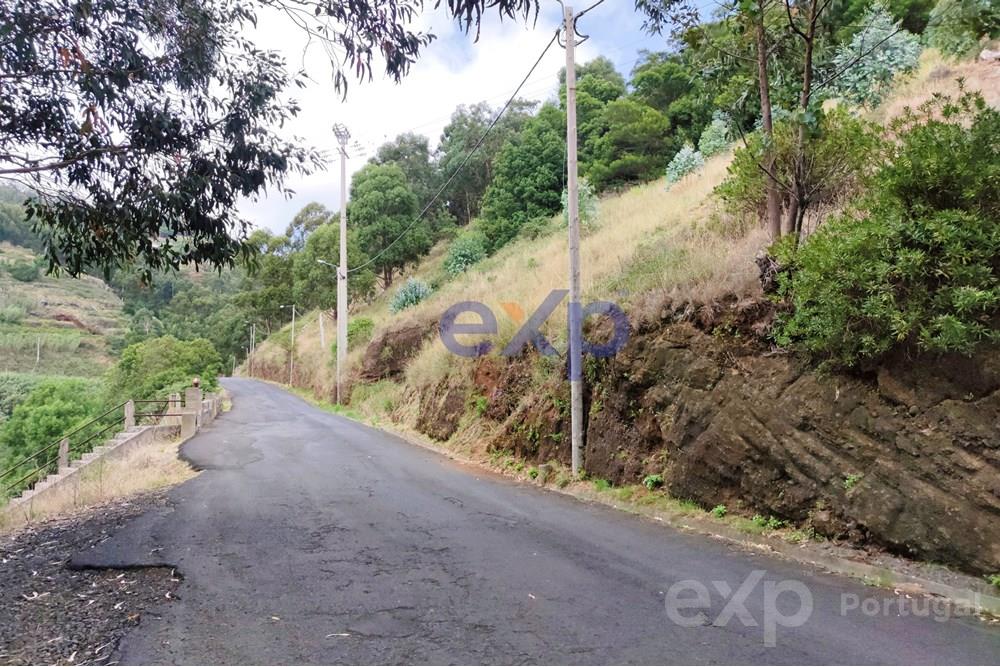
column 310, row 538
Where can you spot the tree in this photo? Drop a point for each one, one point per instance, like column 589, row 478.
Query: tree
column 312, row 216
column 411, row 153
column 893, row 51
column 316, row 283
column 841, row 151
column 528, row 179
column 845, row 17
column 142, row 124
column 139, row 126
column 464, row 195
column 157, row 367
column 53, row 408
column 270, row 286
column 603, row 82
column 659, row 79
column 632, row 145
column 383, row 210
column 956, row 26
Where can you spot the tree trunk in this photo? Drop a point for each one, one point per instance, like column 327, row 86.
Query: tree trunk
column 771, row 186
column 797, row 209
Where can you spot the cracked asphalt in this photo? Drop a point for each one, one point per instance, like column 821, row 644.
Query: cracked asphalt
column 310, row 538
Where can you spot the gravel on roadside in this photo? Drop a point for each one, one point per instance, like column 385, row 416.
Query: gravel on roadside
column 50, row 614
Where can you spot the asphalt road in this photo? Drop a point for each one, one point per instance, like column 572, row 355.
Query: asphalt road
column 309, row 538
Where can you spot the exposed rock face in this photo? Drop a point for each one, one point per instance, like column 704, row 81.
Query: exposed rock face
column 389, row 352
column 442, row 407
column 910, row 461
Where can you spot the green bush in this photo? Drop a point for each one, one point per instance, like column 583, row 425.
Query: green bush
column 410, row 294
column 359, row 332
column 715, row 137
column 842, row 151
column 22, row 271
column 686, row 161
column 920, row 267
column 12, row 313
column 956, row 26
column 52, row 409
column 158, row 367
column 15, row 388
column 465, row 251
column 895, row 51
column 586, row 201
column 652, row 482
column 537, row 228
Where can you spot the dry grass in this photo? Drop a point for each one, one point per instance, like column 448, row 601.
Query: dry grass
column 650, row 238
column 146, row 468
column 939, row 75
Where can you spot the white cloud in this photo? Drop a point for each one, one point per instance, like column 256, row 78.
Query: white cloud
column 452, row 71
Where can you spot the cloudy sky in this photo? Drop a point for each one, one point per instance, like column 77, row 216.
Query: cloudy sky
column 453, row 70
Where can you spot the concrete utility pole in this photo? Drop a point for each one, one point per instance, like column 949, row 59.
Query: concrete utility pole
column 342, row 136
column 253, row 344
column 575, row 323
column 291, row 351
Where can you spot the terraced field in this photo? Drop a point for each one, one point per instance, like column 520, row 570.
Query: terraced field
column 55, row 325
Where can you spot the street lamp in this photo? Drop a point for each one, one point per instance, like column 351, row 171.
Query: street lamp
column 291, row 352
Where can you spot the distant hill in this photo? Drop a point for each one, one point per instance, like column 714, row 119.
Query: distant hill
column 54, row 325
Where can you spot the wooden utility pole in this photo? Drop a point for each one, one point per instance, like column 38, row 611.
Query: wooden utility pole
column 342, row 136
column 575, row 310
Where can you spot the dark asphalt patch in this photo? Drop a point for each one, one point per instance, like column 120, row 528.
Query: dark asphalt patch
column 52, row 613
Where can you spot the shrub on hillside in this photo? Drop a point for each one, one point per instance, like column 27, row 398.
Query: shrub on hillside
column 586, row 203
column 52, row 409
column 12, row 313
column 359, row 332
column 956, row 26
column 465, row 251
column 410, row 294
column 842, row 151
column 715, row 137
column 888, row 51
column 537, row 228
column 14, row 388
column 686, row 161
column 158, row 367
column 23, row 271
column 919, row 267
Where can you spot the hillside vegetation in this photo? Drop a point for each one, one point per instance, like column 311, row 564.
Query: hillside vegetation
column 712, row 355
column 51, row 324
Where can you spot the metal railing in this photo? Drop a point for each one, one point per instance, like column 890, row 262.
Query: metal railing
column 45, row 460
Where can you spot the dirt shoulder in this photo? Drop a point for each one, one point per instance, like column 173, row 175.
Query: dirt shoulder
column 51, row 614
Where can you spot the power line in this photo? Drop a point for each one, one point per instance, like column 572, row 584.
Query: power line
column 465, row 160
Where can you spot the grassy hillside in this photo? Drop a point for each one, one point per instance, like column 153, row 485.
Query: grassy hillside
column 649, row 245
column 54, row 325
